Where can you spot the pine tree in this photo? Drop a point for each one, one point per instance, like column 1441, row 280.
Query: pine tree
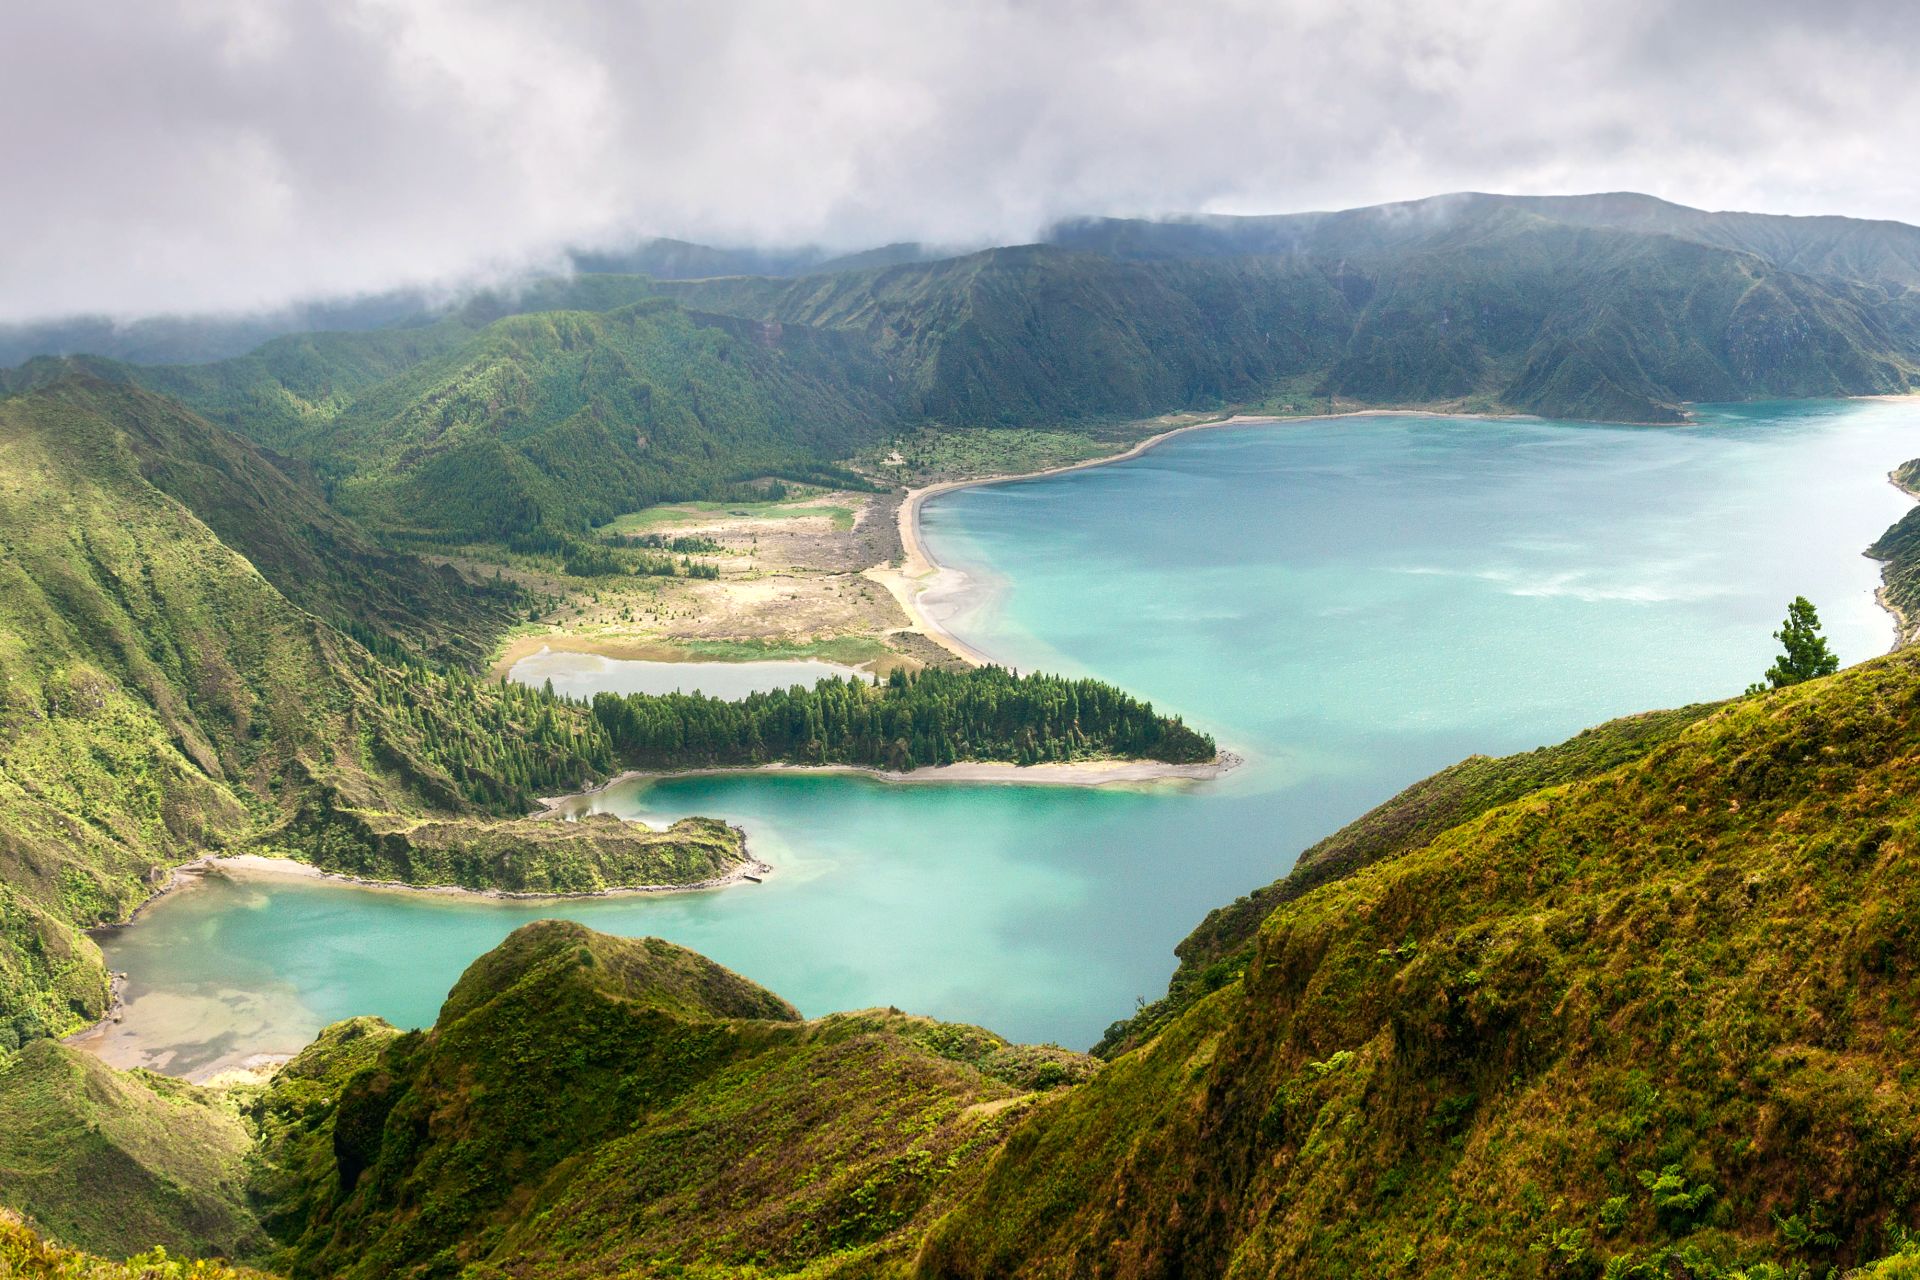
column 1805, row 653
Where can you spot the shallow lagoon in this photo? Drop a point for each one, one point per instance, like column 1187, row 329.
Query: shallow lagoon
column 1351, row 603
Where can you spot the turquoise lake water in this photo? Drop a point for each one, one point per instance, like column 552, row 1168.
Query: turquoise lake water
column 1352, row 604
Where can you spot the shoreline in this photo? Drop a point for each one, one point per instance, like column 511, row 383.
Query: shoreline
column 93, row 1037
column 1068, row 773
column 196, row 871
column 1906, row 629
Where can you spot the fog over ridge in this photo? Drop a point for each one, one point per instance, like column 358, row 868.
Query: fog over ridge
column 195, row 155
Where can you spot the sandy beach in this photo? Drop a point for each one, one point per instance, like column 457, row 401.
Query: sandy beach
column 258, row 864
column 1073, row 773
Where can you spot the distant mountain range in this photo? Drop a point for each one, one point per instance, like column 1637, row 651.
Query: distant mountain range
column 556, row 404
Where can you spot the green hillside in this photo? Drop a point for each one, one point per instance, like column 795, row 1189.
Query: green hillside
column 1656, row 1017
column 161, row 698
column 1638, row 1005
column 1026, row 336
column 116, row 1162
column 1221, row 947
column 25, row 1255
column 585, row 1105
column 268, row 509
column 1511, row 311
column 561, row 402
column 164, row 694
column 558, row 419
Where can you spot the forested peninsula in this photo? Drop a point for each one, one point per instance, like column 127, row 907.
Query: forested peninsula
column 910, row 721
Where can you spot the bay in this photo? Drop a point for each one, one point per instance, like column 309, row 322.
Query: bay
column 1350, row 603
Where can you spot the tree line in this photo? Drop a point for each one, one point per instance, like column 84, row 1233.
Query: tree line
column 502, row 744
column 909, row 721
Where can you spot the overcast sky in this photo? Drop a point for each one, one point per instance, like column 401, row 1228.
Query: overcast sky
column 179, row 155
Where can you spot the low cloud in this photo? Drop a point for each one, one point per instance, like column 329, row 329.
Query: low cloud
column 184, row 155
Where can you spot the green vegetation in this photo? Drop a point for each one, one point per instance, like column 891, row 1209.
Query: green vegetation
column 1221, row 948
column 850, row 651
column 587, row 1105
column 499, row 746
column 1640, row 1004
column 559, row 420
column 1569, row 321
column 160, row 698
column 1805, row 655
column 928, row 455
column 118, row 1161
column 1899, row 547
column 1038, row 337
column 688, row 545
column 576, row 401
column 932, row 718
column 1695, row 966
column 25, row 1256
column 163, row 696
column 1637, row 1005
column 524, row 855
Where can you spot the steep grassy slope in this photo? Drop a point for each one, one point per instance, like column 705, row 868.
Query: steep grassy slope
column 24, row 1255
column 151, row 685
column 560, row 419
column 1035, row 335
column 1661, row 1011
column 1221, row 947
column 264, row 508
column 116, row 1162
column 1511, row 310
column 159, row 697
column 586, row 1104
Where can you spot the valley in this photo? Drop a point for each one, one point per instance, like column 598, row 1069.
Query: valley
column 516, row 688
column 1571, row 573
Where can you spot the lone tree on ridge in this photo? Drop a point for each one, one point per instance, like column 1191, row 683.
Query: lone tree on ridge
column 1805, row 650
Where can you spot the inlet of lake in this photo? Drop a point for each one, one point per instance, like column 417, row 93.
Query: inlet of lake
column 1351, row 604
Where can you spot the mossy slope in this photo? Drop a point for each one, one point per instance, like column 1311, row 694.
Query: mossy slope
column 560, row 419
column 115, row 1162
column 24, row 1255
column 1698, row 967
column 1222, row 946
column 585, row 1105
column 154, row 690
column 538, row 855
column 160, row 697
